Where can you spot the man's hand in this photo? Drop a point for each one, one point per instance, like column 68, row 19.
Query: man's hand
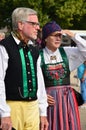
column 43, row 123
column 50, row 100
column 6, row 123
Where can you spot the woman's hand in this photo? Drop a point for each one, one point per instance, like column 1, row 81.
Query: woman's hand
column 50, row 100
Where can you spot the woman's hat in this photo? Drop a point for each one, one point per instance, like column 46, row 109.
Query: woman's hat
column 49, row 28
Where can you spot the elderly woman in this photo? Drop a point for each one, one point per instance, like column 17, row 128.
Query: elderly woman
column 57, row 63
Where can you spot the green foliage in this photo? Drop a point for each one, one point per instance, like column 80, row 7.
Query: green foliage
column 71, row 11
column 69, row 14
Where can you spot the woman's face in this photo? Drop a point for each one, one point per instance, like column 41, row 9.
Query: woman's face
column 53, row 41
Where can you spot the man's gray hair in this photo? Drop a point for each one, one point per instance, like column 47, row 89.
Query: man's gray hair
column 21, row 14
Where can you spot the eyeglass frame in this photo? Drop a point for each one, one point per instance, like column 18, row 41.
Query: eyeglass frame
column 34, row 24
column 56, row 35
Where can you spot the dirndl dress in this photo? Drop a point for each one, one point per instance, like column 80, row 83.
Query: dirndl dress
column 64, row 115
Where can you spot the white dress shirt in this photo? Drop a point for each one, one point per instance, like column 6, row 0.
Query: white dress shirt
column 41, row 93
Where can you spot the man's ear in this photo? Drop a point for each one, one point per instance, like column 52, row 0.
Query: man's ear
column 20, row 25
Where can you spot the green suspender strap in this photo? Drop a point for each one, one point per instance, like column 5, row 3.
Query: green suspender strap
column 26, row 92
column 66, row 80
column 64, row 57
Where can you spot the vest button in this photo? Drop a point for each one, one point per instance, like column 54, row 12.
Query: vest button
column 27, row 63
column 29, row 81
column 28, row 72
column 30, row 89
column 29, row 98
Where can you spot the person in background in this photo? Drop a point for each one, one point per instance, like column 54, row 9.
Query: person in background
column 22, row 98
column 2, row 35
column 57, row 63
column 81, row 74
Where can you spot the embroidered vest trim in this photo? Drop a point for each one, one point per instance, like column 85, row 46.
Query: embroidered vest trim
column 26, row 92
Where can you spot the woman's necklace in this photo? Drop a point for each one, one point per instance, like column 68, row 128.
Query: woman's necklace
column 52, row 58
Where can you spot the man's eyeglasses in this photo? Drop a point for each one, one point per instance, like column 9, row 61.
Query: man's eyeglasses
column 34, row 24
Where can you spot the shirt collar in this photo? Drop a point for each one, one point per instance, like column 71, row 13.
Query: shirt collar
column 18, row 41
